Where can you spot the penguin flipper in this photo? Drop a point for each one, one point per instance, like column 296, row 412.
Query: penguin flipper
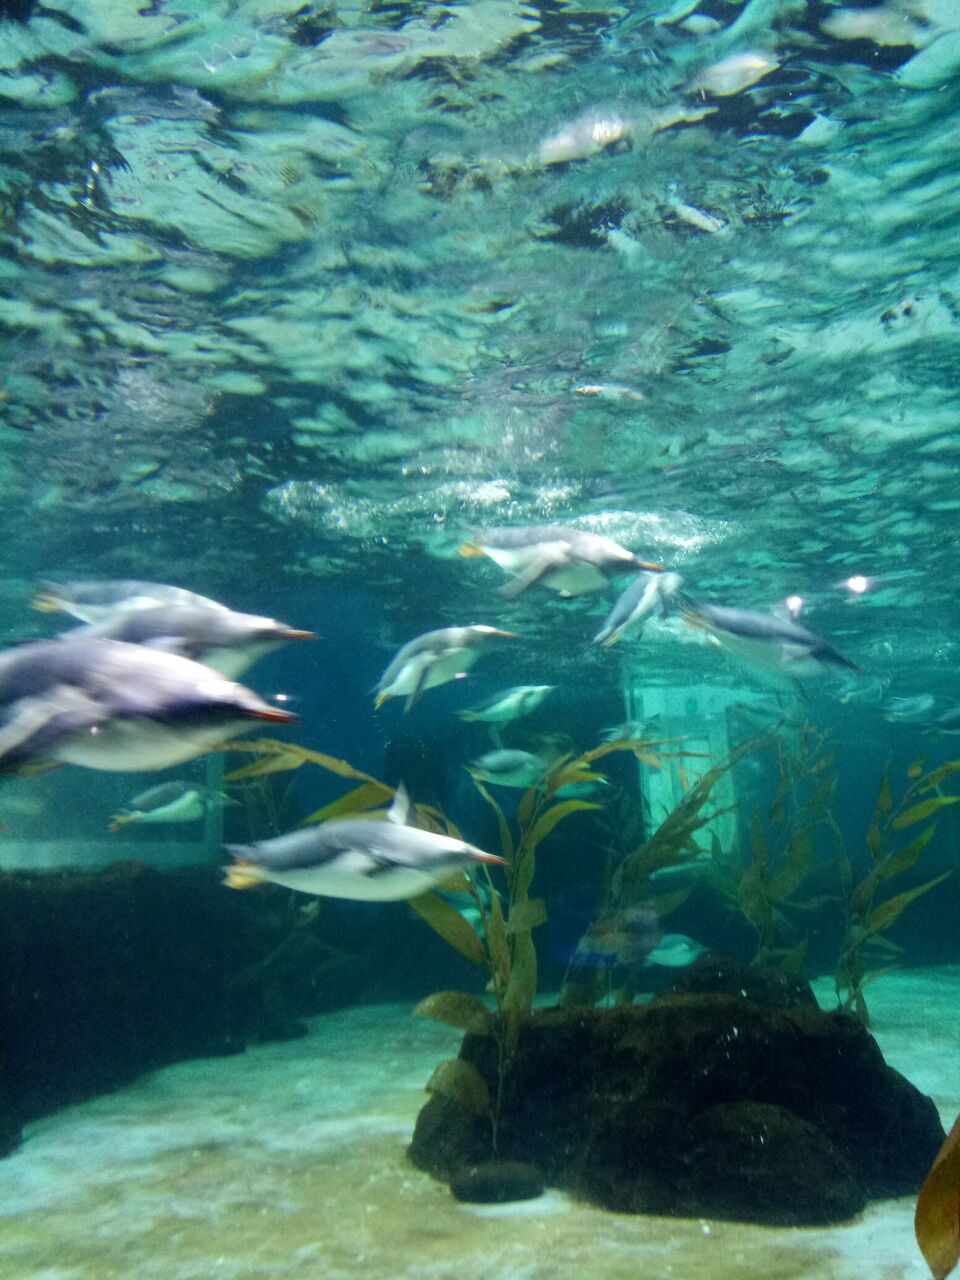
column 38, row 724
column 535, row 572
column 418, row 690
column 173, row 644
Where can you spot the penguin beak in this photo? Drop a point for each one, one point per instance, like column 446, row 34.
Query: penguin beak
column 44, row 602
column 380, row 700
column 273, row 715
column 652, row 568
column 470, row 550
column 291, row 633
column 507, row 635
column 493, row 858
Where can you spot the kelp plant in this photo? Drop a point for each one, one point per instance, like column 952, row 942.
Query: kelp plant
column 866, row 919
column 763, row 880
column 633, row 884
column 503, row 943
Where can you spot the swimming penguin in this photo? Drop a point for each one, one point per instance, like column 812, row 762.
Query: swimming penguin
column 508, row 704
column 432, row 659
column 106, row 704
column 359, row 858
column 647, row 593
column 179, row 801
column 776, row 645
column 908, row 709
column 947, row 722
column 566, row 560
column 92, row 601
column 223, row 639
column 509, row 767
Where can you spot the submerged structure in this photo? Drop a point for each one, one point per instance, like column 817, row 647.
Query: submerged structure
column 736, row 1097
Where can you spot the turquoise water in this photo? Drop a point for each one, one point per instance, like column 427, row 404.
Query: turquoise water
column 294, row 299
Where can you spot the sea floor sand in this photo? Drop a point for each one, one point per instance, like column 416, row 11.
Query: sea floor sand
column 289, row 1160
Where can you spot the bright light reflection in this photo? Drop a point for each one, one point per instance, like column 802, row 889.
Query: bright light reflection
column 794, row 604
column 857, row 584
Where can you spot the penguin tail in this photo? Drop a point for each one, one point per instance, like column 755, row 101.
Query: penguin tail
column 242, row 874
column 45, row 601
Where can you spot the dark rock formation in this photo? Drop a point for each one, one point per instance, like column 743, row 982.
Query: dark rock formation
column 699, row 1105
column 497, row 1182
column 104, row 975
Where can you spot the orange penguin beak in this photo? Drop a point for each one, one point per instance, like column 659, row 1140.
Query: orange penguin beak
column 273, row 715
column 470, row 550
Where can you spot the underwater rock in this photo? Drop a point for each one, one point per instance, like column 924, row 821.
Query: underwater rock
column 109, row 974
column 697, row 1105
column 722, row 975
column 10, row 1131
column 497, row 1182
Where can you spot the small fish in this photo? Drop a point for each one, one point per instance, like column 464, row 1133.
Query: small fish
column 675, row 951
column 432, row 659
column 634, row 729
column 358, row 858
column 178, row 801
column 508, row 704
column 649, row 593
column 509, row 767
column 626, row 936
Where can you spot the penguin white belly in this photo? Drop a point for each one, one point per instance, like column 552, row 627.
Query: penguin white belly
column 575, row 579
column 119, row 747
column 438, row 670
column 389, row 885
column 773, row 659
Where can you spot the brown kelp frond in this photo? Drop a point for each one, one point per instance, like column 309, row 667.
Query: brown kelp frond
column 275, row 756
column 369, row 795
column 937, row 1220
column 867, row 919
column 633, row 891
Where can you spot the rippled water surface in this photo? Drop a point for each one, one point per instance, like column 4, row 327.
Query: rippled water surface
column 300, row 293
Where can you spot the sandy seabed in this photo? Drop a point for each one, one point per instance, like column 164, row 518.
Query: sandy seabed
column 289, row 1160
